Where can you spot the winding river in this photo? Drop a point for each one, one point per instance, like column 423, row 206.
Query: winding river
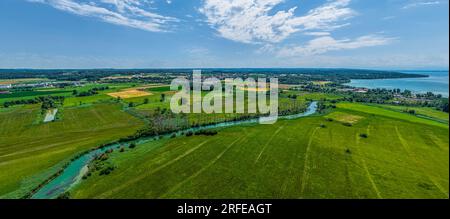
column 74, row 171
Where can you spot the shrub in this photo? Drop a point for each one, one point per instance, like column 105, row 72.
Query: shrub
column 132, row 145
column 173, row 135
column 206, row 132
column 103, row 157
column 122, row 149
column 348, row 151
column 323, row 126
column 189, row 133
column 330, row 119
column 363, row 135
column 65, row 195
column 413, row 112
column 106, row 171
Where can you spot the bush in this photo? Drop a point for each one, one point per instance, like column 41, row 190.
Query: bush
column 206, row 132
column 173, row 135
column 106, row 171
column 65, row 195
column 132, row 145
column 348, row 151
column 323, row 126
column 189, row 133
column 413, row 112
column 363, row 135
column 330, row 119
column 103, row 157
column 348, row 124
column 122, row 149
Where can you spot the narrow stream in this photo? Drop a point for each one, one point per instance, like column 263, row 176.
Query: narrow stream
column 73, row 173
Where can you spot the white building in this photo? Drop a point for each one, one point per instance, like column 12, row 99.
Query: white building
column 5, row 86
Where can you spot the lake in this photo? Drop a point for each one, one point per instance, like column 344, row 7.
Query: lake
column 436, row 83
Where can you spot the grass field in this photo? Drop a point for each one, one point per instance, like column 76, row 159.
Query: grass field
column 344, row 117
column 321, row 83
column 33, row 94
column 389, row 113
column 67, row 93
column 385, row 152
column 405, row 157
column 31, row 151
column 421, row 111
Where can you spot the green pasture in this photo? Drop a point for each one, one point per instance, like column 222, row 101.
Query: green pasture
column 420, row 111
column 305, row 158
column 31, row 151
column 389, row 113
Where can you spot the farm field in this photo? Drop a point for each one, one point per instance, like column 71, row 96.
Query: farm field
column 129, row 93
column 389, row 113
column 30, row 151
column 21, row 80
column 67, row 93
column 247, row 101
column 405, row 157
column 348, row 150
column 421, row 111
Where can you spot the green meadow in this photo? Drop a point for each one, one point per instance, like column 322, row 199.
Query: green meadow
column 421, row 111
column 351, row 151
column 67, row 93
column 383, row 154
column 391, row 113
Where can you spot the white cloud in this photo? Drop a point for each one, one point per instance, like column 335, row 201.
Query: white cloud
column 418, row 3
column 388, row 18
column 131, row 13
column 255, row 21
column 317, row 33
column 327, row 43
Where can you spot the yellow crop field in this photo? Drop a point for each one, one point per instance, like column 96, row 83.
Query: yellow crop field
column 130, row 93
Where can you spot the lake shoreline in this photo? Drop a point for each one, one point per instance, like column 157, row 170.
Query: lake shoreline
column 437, row 82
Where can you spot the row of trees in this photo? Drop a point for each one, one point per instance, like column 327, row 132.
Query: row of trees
column 48, row 102
column 90, row 92
column 383, row 96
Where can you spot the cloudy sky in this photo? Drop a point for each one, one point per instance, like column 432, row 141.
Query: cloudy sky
column 382, row 34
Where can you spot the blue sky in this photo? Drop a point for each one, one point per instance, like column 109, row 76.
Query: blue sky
column 382, row 34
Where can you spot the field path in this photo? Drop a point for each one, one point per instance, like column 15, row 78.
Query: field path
column 305, row 174
column 126, row 184
column 366, row 169
column 268, row 142
column 176, row 187
column 411, row 154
